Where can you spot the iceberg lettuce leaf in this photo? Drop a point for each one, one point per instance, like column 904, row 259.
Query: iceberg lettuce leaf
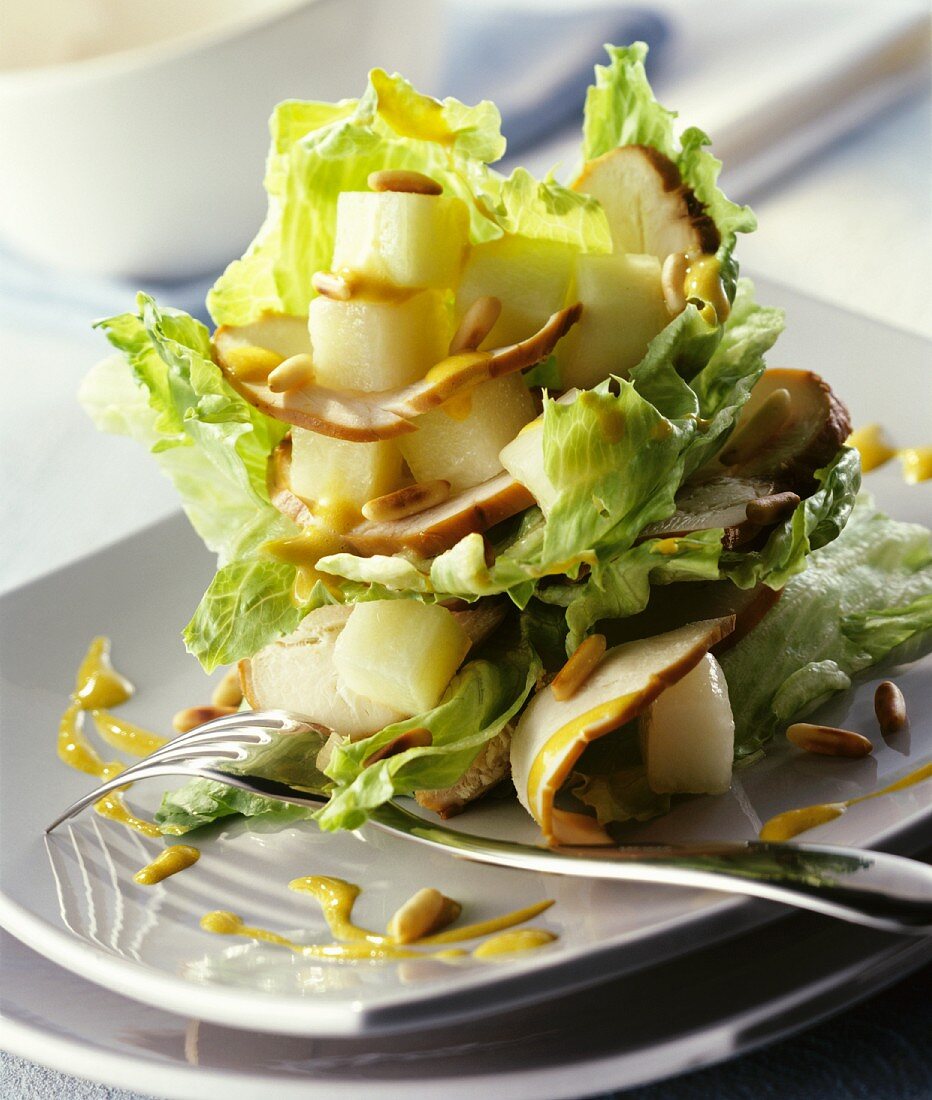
column 201, row 801
column 815, row 522
column 319, row 150
column 859, row 597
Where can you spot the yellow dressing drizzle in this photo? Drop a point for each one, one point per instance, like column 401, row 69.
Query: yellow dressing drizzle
column 76, row 751
column 871, row 444
column 666, row 547
column 301, row 550
column 917, row 464
column 336, row 898
column 250, row 363
column 113, row 807
column 336, row 515
column 304, row 551
column 508, row 943
column 472, row 366
column 874, row 449
column 411, row 114
column 793, row 822
column 459, row 407
column 224, row 923
column 120, row 734
column 174, row 859
column 703, row 280
column 487, row 927
column 98, row 684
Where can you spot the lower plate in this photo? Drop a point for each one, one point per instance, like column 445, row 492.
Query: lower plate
column 717, row 1003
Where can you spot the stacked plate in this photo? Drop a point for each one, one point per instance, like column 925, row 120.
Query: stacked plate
column 641, row 982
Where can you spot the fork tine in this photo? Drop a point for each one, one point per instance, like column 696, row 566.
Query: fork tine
column 216, row 739
column 273, row 720
column 115, row 784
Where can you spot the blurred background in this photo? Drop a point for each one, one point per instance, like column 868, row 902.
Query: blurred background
column 133, row 138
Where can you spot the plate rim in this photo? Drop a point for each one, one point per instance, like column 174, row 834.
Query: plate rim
column 773, row 1019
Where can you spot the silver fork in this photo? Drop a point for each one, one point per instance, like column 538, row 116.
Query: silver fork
column 871, row 888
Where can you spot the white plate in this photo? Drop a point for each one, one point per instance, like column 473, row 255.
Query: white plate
column 76, row 902
column 714, row 1004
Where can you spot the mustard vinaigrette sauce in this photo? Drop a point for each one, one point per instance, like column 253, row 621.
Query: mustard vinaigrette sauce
column 98, row 686
column 793, row 822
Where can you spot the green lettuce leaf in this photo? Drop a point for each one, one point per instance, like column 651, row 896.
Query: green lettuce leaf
column 815, row 522
column 724, row 384
column 213, row 444
column 860, row 596
column 247, row 605
column 546, row 210
column 394, row 574
column 621, row 108
column 620, row 795
column 201, row 801
column 879, row 631
column 319, row 150
column 621, row 585
column 165, row 391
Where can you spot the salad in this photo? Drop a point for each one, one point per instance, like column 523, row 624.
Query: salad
column 496, row 477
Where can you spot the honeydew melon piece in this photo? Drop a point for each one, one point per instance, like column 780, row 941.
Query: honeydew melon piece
column 402, row 653
column 364, row 344
column 298, row 673
column 649, row 208
column 461, row 442
column 623, row 310
column 688, row 734
column 401, row 238
column 552, row 734
column 366, row 417
column 328, row 470
column 530, row 278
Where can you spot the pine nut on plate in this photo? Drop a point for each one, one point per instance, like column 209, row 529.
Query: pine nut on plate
column 829, row 740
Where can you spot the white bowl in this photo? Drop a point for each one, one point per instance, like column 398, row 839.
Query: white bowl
column 147, row 162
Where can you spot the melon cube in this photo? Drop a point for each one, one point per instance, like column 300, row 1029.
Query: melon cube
column 328, row 471
column 461, row 441
column 402, row 653
column 363, row 344
column 688, row 734
column 623, row 310
column 402, row 239
column 530, row 278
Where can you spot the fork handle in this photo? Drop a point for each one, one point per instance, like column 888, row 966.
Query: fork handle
column 876, row 889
